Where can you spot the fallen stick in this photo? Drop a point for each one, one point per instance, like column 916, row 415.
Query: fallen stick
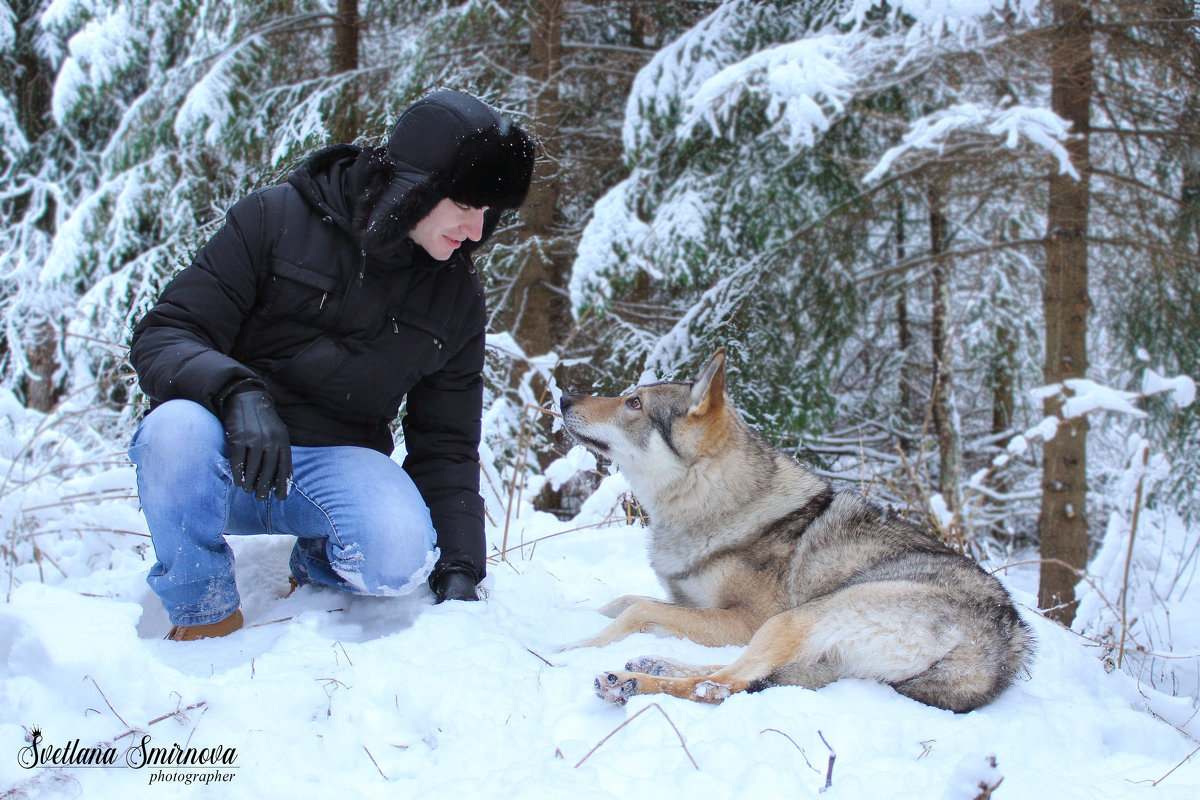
column 682, row 743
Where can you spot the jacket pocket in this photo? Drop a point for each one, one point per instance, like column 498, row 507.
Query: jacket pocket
column 420, row 341
column 296, row 292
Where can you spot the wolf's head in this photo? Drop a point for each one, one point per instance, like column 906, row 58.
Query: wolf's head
column 655, row 433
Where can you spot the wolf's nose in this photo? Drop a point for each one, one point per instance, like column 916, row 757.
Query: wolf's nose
column 566, row 401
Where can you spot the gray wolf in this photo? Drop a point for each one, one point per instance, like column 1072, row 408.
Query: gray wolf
column 755, row 549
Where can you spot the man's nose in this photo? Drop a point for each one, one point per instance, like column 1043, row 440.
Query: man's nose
column 473, row 225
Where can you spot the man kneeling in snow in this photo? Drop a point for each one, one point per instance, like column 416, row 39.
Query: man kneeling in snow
column 276, row 363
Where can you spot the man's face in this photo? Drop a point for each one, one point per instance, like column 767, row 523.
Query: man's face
column 446, row 227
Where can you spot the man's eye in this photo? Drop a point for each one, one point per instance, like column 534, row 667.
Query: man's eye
column 634, row 403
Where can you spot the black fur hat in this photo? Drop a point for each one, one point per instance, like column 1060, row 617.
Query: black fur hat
column 448, row 144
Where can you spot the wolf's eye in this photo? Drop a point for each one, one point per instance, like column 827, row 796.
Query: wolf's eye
column 634, row 402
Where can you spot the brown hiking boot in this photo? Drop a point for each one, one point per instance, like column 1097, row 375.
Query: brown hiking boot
column 224, row 627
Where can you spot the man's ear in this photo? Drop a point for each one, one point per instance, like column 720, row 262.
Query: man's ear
column 708, row 390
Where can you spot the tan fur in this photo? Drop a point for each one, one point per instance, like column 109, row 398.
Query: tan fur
column 709, row 626
column 756, row 550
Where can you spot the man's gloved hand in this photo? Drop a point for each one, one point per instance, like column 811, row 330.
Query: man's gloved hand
column 260, row 454
column 454, row 584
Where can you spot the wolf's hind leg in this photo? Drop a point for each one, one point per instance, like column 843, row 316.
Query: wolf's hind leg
column 779, row 643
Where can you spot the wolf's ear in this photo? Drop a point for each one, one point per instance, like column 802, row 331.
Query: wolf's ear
column 708, row 390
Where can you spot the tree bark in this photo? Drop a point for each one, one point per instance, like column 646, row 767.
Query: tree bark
column 32, row 85
column 34, row 77
column 945, row 419
column 904, row 337
column 533, row 300
column 639, row 24
column 1063, row 521
column 1003, row 369
column 40, row 387
column 345, row 123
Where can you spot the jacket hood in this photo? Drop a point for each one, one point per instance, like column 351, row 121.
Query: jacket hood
column 322, row 180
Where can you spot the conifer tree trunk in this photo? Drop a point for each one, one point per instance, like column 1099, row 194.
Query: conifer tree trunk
column 639, row 20
column 945, row 420
column 40, row 386
column 34, row 78
column 533, row 300
column 1003, row 368
column 1002, row 371
column 904, row 337
column 345, row 59
column 1063, row 521
column 532, row 297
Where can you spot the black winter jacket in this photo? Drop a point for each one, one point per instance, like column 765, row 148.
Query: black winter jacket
column 284, row 297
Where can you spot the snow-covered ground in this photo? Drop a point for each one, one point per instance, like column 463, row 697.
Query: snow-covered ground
column 401, row 698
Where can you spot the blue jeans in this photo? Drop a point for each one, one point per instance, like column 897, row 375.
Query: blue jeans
column 361, row 524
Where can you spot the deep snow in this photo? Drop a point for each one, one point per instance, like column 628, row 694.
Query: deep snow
column 401, row 698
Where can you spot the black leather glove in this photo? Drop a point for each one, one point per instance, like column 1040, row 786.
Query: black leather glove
column 260, row 454
column 454, row 584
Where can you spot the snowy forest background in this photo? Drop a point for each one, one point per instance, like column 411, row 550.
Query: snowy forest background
column 953, row 249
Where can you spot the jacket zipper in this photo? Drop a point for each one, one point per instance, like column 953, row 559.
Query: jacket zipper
column 396, row 329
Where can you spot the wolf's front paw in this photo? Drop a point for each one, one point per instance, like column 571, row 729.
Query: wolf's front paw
column 615, row 687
